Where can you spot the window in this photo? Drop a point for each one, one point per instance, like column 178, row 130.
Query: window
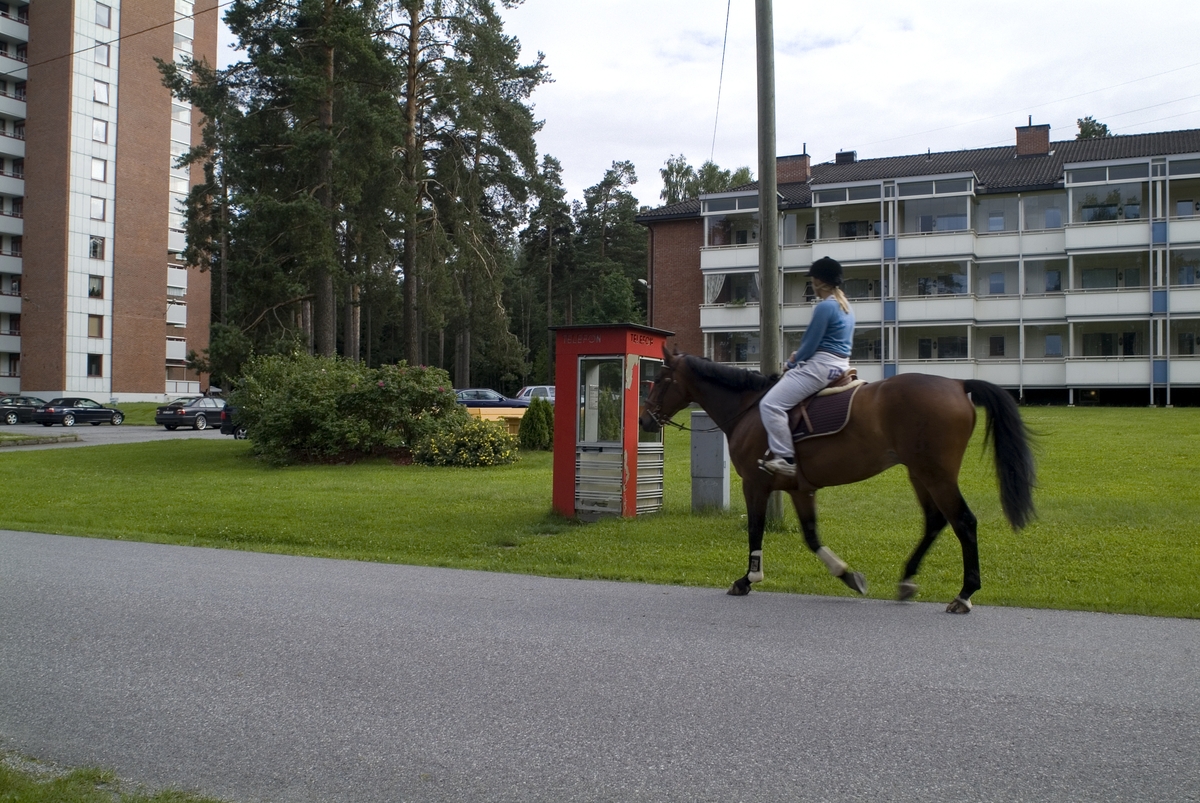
column 1054, row 345
column 17, row 243
column 996, row 346
column 925, row 348
column 952, row 347
column 99, row 170
column 95, row 287
column 996, row 283
column 18, row 168
column 14, row 324
column 100, row 130
column 19, row 90
column 100, row 53
column 18, row 207
column 95, row 326
column 97, row 208
column 1053, row 281
column 95, row 365
column 103, row 16
column 96, row 247
column 100, row 91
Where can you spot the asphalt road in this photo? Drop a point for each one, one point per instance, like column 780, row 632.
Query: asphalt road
column 103, row 434
column 270, row 678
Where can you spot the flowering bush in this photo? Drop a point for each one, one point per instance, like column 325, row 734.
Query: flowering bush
column 317, row 408
column 537, row 426
column 469, row 443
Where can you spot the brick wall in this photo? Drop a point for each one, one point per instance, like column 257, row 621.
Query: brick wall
column 677, row 286
column 1033, row 140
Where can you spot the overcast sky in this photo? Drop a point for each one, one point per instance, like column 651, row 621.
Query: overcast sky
column 638, row 79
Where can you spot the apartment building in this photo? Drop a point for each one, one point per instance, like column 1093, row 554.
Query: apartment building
column 1066, row 271
column 94, row 296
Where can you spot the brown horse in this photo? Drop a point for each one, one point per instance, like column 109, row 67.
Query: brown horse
column 920, row 421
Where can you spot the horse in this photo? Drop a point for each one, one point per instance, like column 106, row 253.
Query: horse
column 920, row 421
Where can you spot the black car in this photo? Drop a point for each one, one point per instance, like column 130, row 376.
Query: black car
column 230, row 426
column 72, row 410
column 197, row 412
column 486, row 397
column 18, row 409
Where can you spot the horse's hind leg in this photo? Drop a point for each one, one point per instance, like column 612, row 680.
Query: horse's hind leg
column 806, row 510
column 935, row 522
column 950, row 501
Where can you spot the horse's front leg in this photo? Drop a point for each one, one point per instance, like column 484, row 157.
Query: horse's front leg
column 756, row 522
column 806, row 510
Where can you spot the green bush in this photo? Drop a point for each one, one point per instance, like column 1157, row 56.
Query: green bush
column 469, row 443
column 537, row 426
column 305, row 408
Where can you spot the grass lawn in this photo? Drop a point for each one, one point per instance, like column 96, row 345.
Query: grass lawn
column 23, row 780
column 1118, row 505
column 139, row 414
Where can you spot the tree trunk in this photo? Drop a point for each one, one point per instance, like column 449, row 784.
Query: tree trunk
column 324, row 317
column 550, row 308
column 351, row 323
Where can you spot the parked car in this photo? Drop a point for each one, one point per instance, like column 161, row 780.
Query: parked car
column 196, row 412
column 70, row 410
column 230, row 425
column 18, row 409
column 486, row 397
column 531, row 392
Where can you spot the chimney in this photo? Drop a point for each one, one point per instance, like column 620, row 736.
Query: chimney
column 793, row 169
column 845, row 157
column 1033, row 140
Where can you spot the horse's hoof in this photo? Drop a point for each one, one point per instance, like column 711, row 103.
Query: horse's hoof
column 740, row 588
column 959, row 605
column 908, row 590
column 855, row 581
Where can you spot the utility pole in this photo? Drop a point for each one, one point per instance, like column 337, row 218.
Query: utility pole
column 768, row 213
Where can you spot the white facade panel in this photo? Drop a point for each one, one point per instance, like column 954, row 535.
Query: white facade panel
column 998, row 245
column 932, row 309
column 176, row 241
column 950, row 370
column 1039, row 243
column 1108, row 235
column 845, row 251
column 1044, row 307
column 177, row 314
column 727, row 257
column 1184, row 371
column 10, row 264
column 999, row 372
column 1107, row 372
column 796, row 256
column 935, row 246
column 12, row 186
column 1005, row 308
column 10, row 225
column 867, row 311
column 10, row 384
column 10, row 304
column 727, row 317
column 1181, row 230
column 1185, row 300
column 868, row 371
column 1044, row 374
column 1103, row 304
column 795, row 316
column 176, row 349
column 13, row 31
column 11, row 146
column 177, row 278
column 10, row 344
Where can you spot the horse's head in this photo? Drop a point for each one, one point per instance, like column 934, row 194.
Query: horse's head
column 668, row 395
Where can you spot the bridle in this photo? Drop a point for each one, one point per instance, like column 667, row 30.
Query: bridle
column 655, row 411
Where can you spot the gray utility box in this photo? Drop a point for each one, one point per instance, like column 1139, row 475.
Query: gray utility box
column 710, row 464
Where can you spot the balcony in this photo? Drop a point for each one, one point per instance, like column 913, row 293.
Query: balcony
column 176, row 349
column 10, row 384
column 1082, row 236
column 12, row 147
column 180, row 388
column 177, row 281
column 10, row 263
column 12, row 107
column 13, row 29
column 1050, row 241
column 1107, row 303
column 10, row 344
column 1184, row 371
column 10, row 304
column 725, row 257
column 951, row 369
column 11, row 225
column 1048, row 374
column 1045, row 307
column 1183, row 230
column 177, row 314
column 1185, row 299
column 998, row 245
column 998, row 308
column 1006, row 373
column 796, row 256
column 11, row 185
column 177, row 241
column 1107, row 371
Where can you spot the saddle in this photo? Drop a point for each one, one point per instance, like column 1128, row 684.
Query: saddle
column 826, row 411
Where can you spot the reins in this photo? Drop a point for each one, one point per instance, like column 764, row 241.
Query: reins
column 654, row 414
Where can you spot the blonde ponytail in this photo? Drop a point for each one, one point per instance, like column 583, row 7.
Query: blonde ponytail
column 841, row 299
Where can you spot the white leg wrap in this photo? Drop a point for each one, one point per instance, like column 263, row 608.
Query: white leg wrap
column 837, row 567
column 755, row 575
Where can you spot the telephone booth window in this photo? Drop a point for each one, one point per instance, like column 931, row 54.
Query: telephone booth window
column 648, row 370
column 601, row 382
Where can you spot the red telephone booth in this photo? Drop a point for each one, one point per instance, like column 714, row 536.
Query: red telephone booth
column 603, row 463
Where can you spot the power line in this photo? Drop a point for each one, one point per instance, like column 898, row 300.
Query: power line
column 122, row 37
column 720, row 81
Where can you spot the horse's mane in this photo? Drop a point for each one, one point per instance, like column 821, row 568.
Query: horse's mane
column 728, row 376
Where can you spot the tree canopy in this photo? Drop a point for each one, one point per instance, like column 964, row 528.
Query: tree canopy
column 682, row 182
column 1089, row 128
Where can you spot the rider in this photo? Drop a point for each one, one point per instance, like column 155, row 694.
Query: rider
column 823, row 354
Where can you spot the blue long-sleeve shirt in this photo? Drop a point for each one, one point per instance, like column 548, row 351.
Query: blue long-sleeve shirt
column 831, row 330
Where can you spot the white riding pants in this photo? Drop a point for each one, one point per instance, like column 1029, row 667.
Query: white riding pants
column 792, row 388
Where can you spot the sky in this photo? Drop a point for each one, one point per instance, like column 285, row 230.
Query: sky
column 638, row 80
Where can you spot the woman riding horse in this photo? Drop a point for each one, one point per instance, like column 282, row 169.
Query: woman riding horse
column 823, row 356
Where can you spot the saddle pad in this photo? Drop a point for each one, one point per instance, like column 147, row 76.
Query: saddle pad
column 822, row 415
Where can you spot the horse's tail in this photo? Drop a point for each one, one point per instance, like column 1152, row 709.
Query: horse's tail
column 1010, row 442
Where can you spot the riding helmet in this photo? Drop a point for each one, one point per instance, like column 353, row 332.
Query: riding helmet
column 827, row 270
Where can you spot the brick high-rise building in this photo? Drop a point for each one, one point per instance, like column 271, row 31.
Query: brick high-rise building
column 94, row 296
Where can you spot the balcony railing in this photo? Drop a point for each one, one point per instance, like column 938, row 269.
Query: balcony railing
column 13, row 134
column 24, row 20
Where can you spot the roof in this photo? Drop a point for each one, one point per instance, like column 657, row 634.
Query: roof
column 997, row 169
